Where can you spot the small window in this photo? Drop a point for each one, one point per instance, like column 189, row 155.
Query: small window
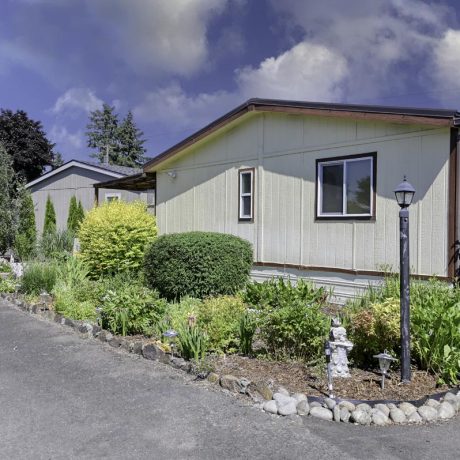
column 246, row 194
column 346, row 187
column 112, row 196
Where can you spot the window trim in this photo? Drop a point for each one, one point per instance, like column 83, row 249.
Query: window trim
column 112, row 195
column 342, row 160
column 240, row 195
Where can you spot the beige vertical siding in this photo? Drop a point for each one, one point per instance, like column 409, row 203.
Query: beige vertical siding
column 284, row 149
column 61, row 187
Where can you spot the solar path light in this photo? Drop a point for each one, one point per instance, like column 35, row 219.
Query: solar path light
column 385, row 360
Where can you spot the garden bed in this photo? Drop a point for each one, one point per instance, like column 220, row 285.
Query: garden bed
column 297, row 377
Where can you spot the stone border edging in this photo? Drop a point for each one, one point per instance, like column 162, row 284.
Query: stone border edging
column 438, row 407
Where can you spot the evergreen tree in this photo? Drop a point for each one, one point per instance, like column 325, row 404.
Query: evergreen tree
column 6, row 200
column 80, row 215
column 72, row 218
column 58, row 160
column 50, row 218
column 26, row 143
column 26, row 233
column 102, row 131
column 130, row 143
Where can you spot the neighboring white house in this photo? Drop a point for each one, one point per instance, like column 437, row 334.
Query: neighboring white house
column 310, row 185
column 76, row 178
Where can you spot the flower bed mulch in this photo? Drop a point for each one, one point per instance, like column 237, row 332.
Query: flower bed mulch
column 297, row 377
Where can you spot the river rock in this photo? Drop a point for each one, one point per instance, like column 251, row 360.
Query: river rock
column 299, row 397
column 364, row 407
column 283, row 391
column 345, row 414
column 428, row 413
column 315, row 404
column 432, row 403
column 303, row 408
column 397, row 415
column 336, row 413
column 329, row 403
column 383, row 408
column 261, row 388
column 348, row 405
column 321, row 413
column 271, row 407
column 361, row 416
column 407, row 408
column 289, row 408
column 453, row 399
column 212, row 377
column 414, row 418
column 392, row 406
column 445, row 410
column 230, row 383
column 153, row 352
column 379, row 418
column 282, row 398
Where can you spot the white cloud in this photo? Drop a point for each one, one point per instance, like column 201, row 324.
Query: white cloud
column 306, row 71
column 81, row 99
column 160, row 36
column 445, row 65
column 65, row 140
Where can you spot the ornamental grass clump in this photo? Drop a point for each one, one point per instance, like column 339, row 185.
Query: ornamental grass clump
column 114, row 236
column 198, row 264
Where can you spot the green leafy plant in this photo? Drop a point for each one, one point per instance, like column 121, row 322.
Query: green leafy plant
column 193, row 342
column 7, row 284
column 56, row 245
column 5, row 267
column 39, row 277
column 131, row 308
column 6, row 199
column 290, row 317
column 198, row 264
column 220, row 318
column 114, row 236
column 248, row 326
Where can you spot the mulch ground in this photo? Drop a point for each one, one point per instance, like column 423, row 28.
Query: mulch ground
column 297, row 377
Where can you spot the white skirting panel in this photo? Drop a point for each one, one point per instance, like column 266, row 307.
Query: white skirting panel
column 343, row 286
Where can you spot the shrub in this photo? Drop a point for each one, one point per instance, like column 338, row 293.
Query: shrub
column 220, row 318
column 7, row 284
column 131, row 308
column 198, row 264
column 56, row 245
column 435, row 325
column 26, row 235
column 39, row 277
column 5, row 267
column 290, row 317
column 71, row 218
column 49, row 225
column 6, row 199
column 114, row 236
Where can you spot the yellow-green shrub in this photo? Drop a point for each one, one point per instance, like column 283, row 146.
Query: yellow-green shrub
column 114, row 236
column 375, row 329
column 220, row 318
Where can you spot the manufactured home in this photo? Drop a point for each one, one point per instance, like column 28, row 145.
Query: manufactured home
column 310, row 185
column 76, row 178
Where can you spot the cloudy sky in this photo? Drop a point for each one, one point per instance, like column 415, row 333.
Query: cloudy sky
column 178, row 64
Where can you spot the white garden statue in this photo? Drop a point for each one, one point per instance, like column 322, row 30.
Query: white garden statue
column 340, row 347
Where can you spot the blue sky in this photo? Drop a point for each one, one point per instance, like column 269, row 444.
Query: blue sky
column 179, row 64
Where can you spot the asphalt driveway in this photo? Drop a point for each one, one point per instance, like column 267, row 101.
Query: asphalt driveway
column 65, row 397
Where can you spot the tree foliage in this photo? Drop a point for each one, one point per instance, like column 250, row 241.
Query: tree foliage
column 71, row 219
column 49, row 226
column 26, row 143
column 6, row 200
column 26, row 234
column 123, row 142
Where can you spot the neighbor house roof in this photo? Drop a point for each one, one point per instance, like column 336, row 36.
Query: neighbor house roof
column 404, row 115
column 107, row 169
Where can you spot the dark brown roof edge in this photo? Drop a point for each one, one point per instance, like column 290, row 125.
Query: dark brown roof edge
column 444, row 117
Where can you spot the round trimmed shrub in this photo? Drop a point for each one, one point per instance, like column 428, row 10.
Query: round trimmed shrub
column 114, row 236
column 198, row 264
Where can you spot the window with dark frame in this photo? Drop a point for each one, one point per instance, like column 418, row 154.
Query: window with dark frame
column 246, row 194
column 345, row 187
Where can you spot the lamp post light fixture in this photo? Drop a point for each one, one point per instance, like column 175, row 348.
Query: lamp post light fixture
column 404, row 193
column 385, row 360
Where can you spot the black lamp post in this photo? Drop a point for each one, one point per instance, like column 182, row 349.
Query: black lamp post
column 404, row 194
